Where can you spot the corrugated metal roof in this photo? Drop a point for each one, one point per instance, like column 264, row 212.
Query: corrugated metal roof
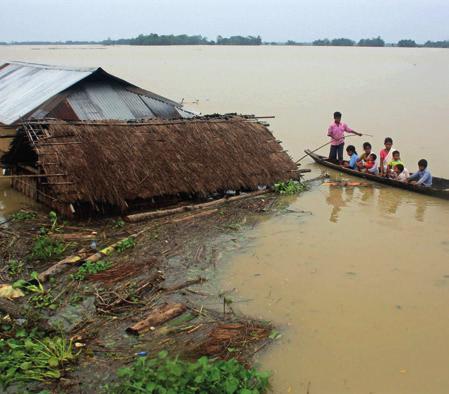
column 25, row 86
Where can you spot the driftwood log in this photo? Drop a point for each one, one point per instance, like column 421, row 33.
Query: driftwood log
column 63, row 264
column 74, row 236
column 157, row 317
column 138, row 217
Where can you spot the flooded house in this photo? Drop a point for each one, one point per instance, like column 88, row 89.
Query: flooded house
column 78, row 168
column 89, row 142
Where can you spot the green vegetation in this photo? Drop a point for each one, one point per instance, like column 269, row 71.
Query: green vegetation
column 91, row 268
column 289, row 188
column 437, row 44
column 407, row 44
column 165, row 375
column 20, row 216
column 127, row 243
column 27, row 356
column 371, row 42
column 15, row 267
column 119, row 223
column 40, row 298
column 338, row 42
column 183, row 39
column 46, row 248
column 239, row 40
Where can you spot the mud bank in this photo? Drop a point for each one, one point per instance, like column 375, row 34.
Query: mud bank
column 156, row 291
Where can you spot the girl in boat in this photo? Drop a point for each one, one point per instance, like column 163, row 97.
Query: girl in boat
column 386, row 155
column 353, row 157
column 367, row 150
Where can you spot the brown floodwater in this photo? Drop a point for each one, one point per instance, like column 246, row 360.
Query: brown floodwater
column 356, row 278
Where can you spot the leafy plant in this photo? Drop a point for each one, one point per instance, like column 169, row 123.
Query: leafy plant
column 28, row 357
column 23, row 216
column 53, row 221
column 119, row 223
column 15, row 267
column 289, row 188
column 91, row 268
column 46, row 248
column 164, row 375
column 127, row 243
column 41, row 298
column 33, row 285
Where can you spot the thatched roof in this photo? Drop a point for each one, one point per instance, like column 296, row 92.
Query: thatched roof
column 115, row 163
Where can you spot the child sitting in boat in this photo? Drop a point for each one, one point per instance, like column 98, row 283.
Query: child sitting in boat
column 353, row 157
column 396, row 160
column 386, row 156
column 422, row 177
column 370, row 165
column 400, row 173
column 364, row 156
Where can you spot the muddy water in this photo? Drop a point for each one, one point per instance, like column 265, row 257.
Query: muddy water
column 358, row 278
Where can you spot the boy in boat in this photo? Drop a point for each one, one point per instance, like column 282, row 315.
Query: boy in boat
column 370, row 164
column 353, row 157
column 422, row 177
column 400, row 173
column 396, row 160
column 364, row 156
column 337, row 133
column 386, row 156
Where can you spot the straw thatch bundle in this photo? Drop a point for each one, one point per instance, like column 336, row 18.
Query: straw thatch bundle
column 116, row 163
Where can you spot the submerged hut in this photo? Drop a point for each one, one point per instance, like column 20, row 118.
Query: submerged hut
column 81, row 167
column 31, row 91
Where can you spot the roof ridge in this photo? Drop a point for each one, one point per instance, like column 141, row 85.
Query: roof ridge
column 53, row 66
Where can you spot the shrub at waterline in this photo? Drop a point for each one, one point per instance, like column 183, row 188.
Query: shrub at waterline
column 288, row 188
column 172, row 376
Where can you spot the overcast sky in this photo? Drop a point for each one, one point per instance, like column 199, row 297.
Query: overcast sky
column 279, row 20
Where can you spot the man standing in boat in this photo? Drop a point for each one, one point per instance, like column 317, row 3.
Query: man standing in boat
column 337, row 133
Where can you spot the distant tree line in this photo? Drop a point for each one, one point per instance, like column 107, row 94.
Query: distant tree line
column 184, row 39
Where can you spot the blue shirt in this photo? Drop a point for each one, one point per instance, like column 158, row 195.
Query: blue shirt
column 423, row 178
column 353, row 161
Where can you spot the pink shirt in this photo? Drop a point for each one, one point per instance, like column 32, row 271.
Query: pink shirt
column 337, row 132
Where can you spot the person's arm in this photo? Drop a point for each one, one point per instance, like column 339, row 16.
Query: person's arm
column 349, row 130
column 330, row 132
column 424, row 178
column 413, row 177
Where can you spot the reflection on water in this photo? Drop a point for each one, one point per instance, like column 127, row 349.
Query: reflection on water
column 388, row 200
column 11, row 201
column 359, row 288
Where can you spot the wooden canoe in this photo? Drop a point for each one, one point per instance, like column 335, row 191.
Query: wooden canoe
column 440, row 186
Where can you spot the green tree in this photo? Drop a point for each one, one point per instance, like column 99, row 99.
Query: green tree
column 342, row 42
column 371, row 42
column 407, row 44
column 323, row 42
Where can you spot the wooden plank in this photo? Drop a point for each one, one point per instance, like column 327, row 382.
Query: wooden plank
column 138, row 217
column 157, row 317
